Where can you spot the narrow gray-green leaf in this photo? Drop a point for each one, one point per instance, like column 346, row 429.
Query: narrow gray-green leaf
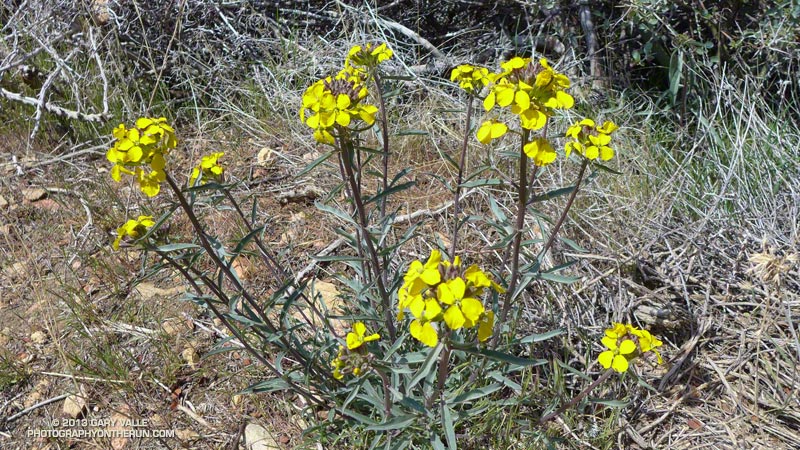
column 394, row 423
column 477, row 393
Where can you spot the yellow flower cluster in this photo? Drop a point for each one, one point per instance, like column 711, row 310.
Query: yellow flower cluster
column 353, row 359
column 331, row 104
column 471, row 78
column 531, row 90
column 440, row 291
column 368, row 56
column 591, row 140
column 624, row 343
column 146, row 144
column 209, row 167
column 134, row 228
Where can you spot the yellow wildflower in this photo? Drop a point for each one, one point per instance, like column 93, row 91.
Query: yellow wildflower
column 624, row 343
column 591, row 140
column 148, row 143
column 491, row 129
column 208, row 167
column 540, row 151
column 471, row 78
column 135, row 228
column 358, row 336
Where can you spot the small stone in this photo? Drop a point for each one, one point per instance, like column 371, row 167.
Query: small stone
column 149, row 291
column 33, row 194
column 18, row 270
column 32, row 399
column 237, row 400
column 191, row 356
column 257, row 437
column 3, row 202
column 157, row 421
column 75, row 405
column 39, row 337
column 243, row 267
column 186, row 434
column 117, row 430
column 177, row 326
column 265, row 157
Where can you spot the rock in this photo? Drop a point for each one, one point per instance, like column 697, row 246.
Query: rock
column 75, row 404
column 101, row 12
column 32, row 399
column 187, row 434
column 266, row 157
column 191, row 356
column 177, row 326
column 328, row 292
column 243, row 267
column 117, row 430
column 18, row 270
column 33, row 194
column 39, row 337
column 257, row 437
column 3, row 202
column 149, row 290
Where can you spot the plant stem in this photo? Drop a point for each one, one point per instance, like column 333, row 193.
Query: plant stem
column 387, row 395
column 225, row 269
column 444, row 366
column 271, row 261
column 384, row 138
column 347, row 150
column 249, row 348
column 577, row 398
column 566, row 210
column 385, row 172
column 267, row 257
column 522, row 204
column 461, row 164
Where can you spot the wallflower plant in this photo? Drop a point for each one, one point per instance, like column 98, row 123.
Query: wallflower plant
column 420, row 342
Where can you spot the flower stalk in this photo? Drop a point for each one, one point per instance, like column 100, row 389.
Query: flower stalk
column 461, row 165
column 346, row 149
column 522, row 202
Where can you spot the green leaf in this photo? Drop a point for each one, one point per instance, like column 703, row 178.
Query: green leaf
column 394, row 423
column 552, row 194
column 426, row 367
column 482, row 182
column 336, row 212
column 541, row 337
column 675, row 73
column 175, row 247
column 477, row 393
column 359, row 417
column 415, row 405
column 509, row 383
column 449, row 429
column 574, row 245
column 391, row 190
column 275, row 384
column 315, row 163
column 551, row 276
column 411, row 133
column 611, row 403
column 605, row 168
